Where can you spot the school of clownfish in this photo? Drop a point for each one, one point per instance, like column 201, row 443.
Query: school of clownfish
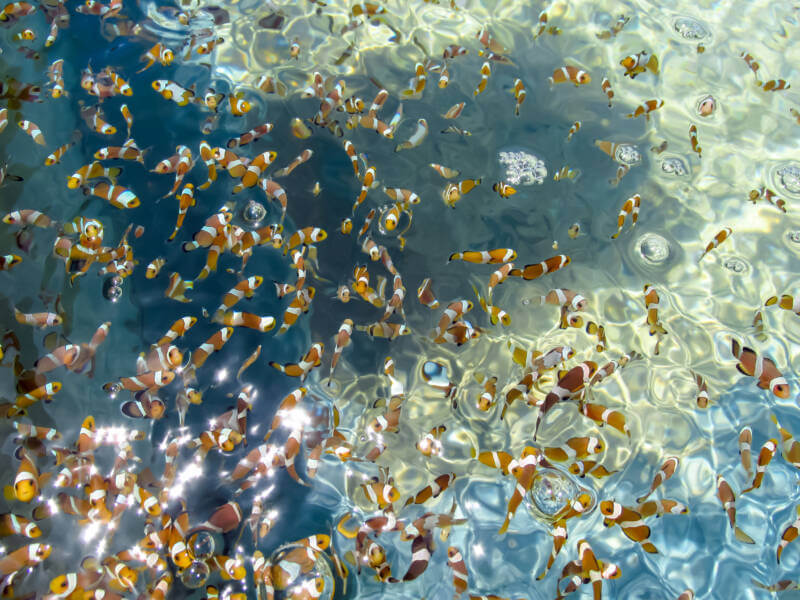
column 54, row 475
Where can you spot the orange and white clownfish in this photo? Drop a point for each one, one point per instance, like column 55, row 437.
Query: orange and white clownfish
column 764, row 458
column 455, row 560
column 533, row 271
column 630, row 521
column 646, row 108
column 630, row 207
column 569, row 383
column 789, row 535
column 635, row 64
column 666, row 471
column 762, row 368
column 728, row 501
column 569, row 73
column 790, row 446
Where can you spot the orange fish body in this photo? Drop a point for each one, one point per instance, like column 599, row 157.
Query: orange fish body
column 569, row 73
column 534, row 271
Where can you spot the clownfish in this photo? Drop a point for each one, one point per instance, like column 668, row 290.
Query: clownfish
column 639, row 63
column 569, row 73
column 762, row 368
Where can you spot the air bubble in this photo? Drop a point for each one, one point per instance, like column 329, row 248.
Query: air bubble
column 317, row 576
column 253, row 212
column 736, row 265
column 195, row 575
column 202, row 545
column 794, row 237
column 789, row 177
column 674, row 166
column 627, row 154
column 551, row 491
column 112, row 288
column 690, row 29
column 653, row 248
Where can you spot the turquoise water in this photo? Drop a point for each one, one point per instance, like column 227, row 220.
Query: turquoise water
column 747, row 143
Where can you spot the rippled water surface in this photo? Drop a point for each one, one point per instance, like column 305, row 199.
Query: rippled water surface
column 748, row 143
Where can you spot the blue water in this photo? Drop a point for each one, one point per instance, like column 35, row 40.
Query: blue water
column 701, row 306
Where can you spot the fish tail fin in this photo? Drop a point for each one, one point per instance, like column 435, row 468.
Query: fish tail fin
column 652, row 64
column 650, row 548
column 736, row 348
column 504, row 526
column 771, row 301
column 550, row 80
column 742, row 536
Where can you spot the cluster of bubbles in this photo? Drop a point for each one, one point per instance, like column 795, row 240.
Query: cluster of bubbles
column 789, row 176
column 522, row 168
column 627, row 154
column 673, row 165
column 690, row 29
column 112, row 288
column 552, row 491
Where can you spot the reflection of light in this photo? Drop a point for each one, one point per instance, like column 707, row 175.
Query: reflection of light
column 90, row 531
column 296, row 418
column 191, row 471
column 101, row 547
column 112, row 435
column 266, row 493
column 221, row 375
column 478, row 550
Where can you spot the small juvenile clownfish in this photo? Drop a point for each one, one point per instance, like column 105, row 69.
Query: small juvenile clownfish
column 786, row 302
column 718, row 239
column 573, row 130
column 774, row 85
column 569, row 73
column 639, row 63
column 606, row 86
column 646, row 108
column 504, row 189
column 630, row 207
column 533, row 271
column 518, row 89
column 693, row 140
